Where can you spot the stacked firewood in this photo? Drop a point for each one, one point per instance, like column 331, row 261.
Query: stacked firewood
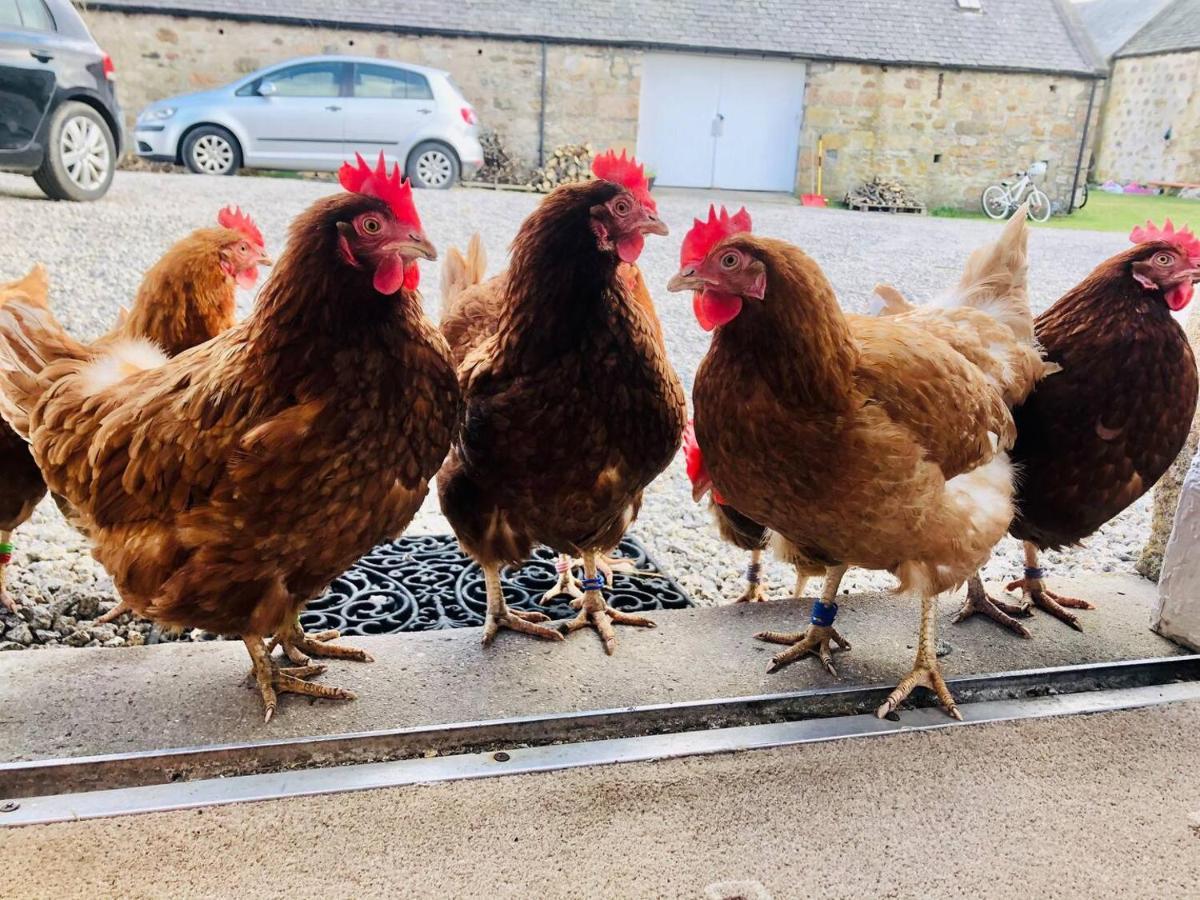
column 566, row 165
column 498, row 166
column 880, row 191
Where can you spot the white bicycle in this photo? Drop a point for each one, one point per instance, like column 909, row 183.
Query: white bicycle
column 1002, row 200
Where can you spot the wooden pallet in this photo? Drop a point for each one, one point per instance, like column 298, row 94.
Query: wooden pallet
column 864, row 206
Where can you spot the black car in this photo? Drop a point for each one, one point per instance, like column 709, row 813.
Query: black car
column 59, row 118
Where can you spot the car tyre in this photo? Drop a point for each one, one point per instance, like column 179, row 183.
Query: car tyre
column 81, row 155
column 433, row 165
column 211, row 150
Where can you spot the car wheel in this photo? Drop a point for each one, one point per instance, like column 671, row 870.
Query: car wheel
column 211, row 150
column 433, row 165
column 80, row 155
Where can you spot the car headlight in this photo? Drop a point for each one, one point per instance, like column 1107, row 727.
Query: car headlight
column 157, row 115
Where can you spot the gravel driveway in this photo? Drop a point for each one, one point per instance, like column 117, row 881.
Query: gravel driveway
column 96, row 254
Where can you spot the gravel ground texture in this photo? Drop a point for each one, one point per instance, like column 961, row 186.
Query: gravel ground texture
column 96, row 254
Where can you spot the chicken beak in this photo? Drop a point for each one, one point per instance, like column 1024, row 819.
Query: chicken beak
column 686, row 279
column 264, row 260
column 654, row 225
column 416, row 247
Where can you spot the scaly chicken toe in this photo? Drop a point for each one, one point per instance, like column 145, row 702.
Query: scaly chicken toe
column 113, row 614
column 926, row 671
column 567, row 584
column 1034, row 592
column 618, row 565
column 816, row 639
column 998, row 611
column 595, row 613
column 273, row 679
column 299, row 646
column 500, row 616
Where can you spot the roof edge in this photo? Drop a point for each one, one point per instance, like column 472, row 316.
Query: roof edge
column 1079, row 35
column 185, row 13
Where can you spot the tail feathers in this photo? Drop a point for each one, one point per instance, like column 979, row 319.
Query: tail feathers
column 30, row 339
column 889, row 301
column 996, row 280
column 460, row 272
column 33, row 288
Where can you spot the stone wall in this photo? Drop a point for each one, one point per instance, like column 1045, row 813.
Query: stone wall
column 1149, row 98
column 592, row 92
column 948, row 134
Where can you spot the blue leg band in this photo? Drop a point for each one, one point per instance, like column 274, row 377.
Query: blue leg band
column 752, row 572
column 1032, row 573
column 823, row 615
column 593, row 584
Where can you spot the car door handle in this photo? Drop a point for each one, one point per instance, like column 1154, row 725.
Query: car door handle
column 41, row 55
column 333, row 108
column 425, row 110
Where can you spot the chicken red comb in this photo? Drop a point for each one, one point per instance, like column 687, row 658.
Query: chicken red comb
column 1183, row 238
column 706, row 235
column 627, row 172
column 233, row 218
column 693, row 459
column 392, row 189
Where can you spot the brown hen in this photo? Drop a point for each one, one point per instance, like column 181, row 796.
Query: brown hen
column 187, row 297
column 1094, row 438
column 572, row 407
column 228, row 486
column 859, row 441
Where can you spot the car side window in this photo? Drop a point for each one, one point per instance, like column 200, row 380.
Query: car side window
column 35, row 16
column 390, row 83
column 307, row 80
column 10, row 16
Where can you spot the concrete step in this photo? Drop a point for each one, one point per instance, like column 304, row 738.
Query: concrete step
column 84, row 702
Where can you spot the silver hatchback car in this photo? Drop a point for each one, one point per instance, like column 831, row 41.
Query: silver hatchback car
column 310, row 114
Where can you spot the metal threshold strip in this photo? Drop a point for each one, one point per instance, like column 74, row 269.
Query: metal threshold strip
column 548, row 743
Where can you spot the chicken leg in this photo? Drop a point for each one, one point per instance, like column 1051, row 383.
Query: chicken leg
column 595, row 613
column 820, row 632
column 500, row 616
column 6, row 599
column 998, row 611
column 273, row 679
column 1034, row 592
column 115, row 613
column 926, row 671
column 756, row 588
column 299, row 645
column 567, row 583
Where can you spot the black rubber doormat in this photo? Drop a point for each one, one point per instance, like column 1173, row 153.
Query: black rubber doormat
column 426, row 583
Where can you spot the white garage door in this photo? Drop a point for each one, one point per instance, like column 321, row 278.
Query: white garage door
column 717, row 121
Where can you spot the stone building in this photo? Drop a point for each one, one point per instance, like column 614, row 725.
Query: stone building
column 1151, row 123
column 948, row 95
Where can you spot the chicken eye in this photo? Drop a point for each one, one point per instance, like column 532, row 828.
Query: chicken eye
column 730, row 261
column 371, row 225
column 622, row 207
column 1164, row 259
column 243, row 248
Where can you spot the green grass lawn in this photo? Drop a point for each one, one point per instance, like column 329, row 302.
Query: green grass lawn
column 1113, row 212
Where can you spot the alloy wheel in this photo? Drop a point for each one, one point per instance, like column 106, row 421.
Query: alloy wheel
column 212, row 154
column 434, row 168
column 85, row 153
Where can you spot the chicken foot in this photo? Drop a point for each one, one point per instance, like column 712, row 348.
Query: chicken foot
column 6, row 599
column 926, row 671
column 567, row 583
column 998, row 611
column 756, row 587
column 595, row 613
column 1034, row 592
column 500, row 616
column 115, row 613
column 273, row 679
column 300, row 645
column 815, row 639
